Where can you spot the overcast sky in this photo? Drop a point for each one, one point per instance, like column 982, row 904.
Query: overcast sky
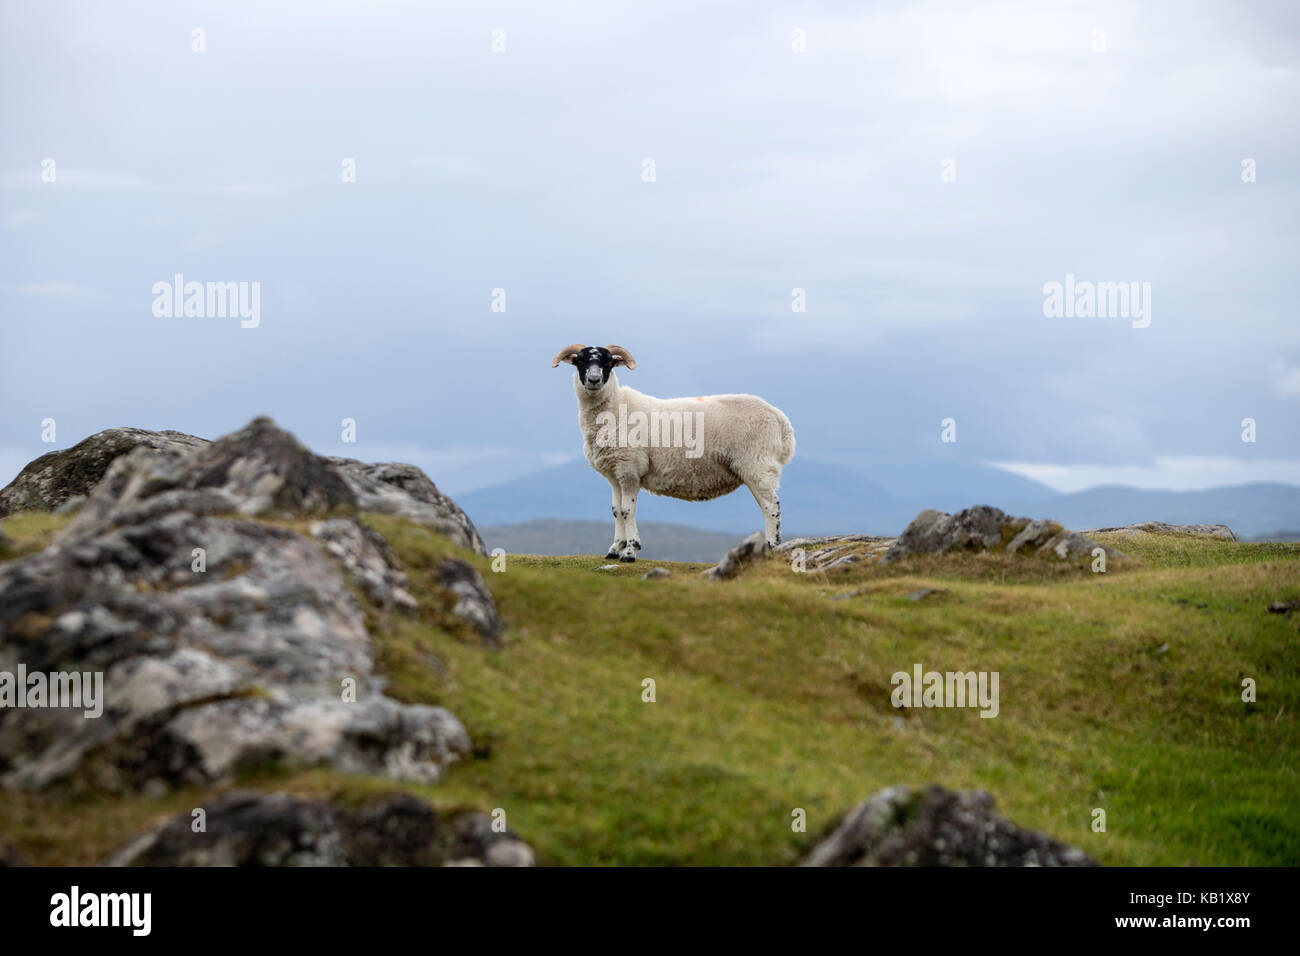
column 1112, row 156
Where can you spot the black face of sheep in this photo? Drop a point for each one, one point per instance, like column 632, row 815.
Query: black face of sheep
column 594, row 364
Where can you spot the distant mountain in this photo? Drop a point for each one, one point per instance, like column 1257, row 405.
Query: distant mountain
column 819, row 497
column 948, row 484
column 662, row 542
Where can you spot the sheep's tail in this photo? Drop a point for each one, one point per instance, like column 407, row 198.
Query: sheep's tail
column 787, row 438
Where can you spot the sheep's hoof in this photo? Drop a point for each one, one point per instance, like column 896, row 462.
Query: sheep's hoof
column 611, row 553
column 627, row 557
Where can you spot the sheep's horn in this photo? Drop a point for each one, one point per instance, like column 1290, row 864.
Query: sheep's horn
column 566, row 353
column 621, row 353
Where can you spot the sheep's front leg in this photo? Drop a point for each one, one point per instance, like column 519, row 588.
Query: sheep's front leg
column 620, row 529
column 628, row 488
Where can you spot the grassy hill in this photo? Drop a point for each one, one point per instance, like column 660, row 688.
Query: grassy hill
column 1119, row 691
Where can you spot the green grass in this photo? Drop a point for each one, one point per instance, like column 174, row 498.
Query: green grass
column 1119, row 691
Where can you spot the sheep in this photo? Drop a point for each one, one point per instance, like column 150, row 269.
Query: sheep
column 689, row 448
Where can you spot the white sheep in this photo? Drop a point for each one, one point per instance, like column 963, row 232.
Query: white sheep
column 690, row 448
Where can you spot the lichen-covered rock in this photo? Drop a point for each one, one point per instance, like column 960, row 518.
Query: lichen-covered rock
column 258, row 470
column 900, row 826
column 831, row 541
column 1220, row 531
column 474, row 601
column 207, row 664
column 984, row 528
column 407, row 492
column 246, row 828
column 127, row 475
column 747, row 552
column 368, row 560
column 52, row 479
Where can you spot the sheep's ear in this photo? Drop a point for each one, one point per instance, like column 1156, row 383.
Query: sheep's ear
column 566, row 354
column 621, row 356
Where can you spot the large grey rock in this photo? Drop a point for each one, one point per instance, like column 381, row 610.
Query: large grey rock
column 245, row 828
column 128, row 475
column 204, row 672
column 260, row 470
column 52, row 479
column 1220, row 531
column 900, row 826
column 984, row 528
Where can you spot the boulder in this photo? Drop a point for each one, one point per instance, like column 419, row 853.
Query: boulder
column 246, row 828
column 123, row 475
column 52, row 479
column 984, row 528
column 204, row 671
column 900, row 826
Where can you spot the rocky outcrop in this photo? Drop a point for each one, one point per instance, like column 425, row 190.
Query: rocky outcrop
column 222, row 641
column 128, row 474
column 1221, row 531
column 263, row 655
column 836, row 551
column 936, row 827
column 52, row 479
column 245, row 828
column 747, row 552
column 984, row 528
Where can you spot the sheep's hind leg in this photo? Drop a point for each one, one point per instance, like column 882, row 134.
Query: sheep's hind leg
column 620, row 529
column 764, row 491
column 627, row 507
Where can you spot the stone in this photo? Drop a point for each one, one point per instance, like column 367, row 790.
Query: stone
column 900, row 826
column 747, row 552
column 247, row 828
column 984, row 528
column 474, row 602
column 55, row 478
column 204, row 672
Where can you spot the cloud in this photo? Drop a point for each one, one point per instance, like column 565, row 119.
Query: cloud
column 1174, row 472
